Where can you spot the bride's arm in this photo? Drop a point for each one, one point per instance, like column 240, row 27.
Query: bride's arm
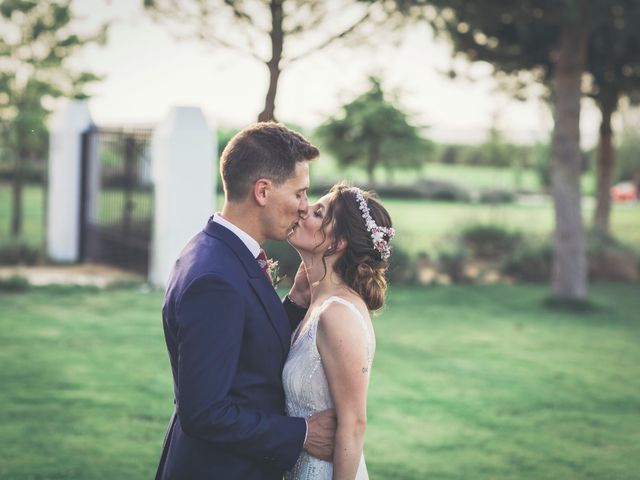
column 297, row 301
column 342, row 346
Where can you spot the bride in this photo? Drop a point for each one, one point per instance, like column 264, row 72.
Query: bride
column 344, row 245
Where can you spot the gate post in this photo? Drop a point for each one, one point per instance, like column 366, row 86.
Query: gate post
column 183, row 160
column 65, row 160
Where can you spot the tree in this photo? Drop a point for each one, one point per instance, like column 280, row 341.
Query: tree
column 248, row 25
column 612, row 62
column 544, row 41
column 35, row 42
column 614, row 66
column 371, row 131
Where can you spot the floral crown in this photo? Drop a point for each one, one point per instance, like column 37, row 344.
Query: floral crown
column 377, row 232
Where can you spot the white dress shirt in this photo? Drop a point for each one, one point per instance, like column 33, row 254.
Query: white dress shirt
column 248, row 240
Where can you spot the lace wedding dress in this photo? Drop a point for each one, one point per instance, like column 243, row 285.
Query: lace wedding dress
column 307, row 391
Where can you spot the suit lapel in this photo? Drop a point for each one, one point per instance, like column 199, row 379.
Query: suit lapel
column 275, row 310
column 259, row 283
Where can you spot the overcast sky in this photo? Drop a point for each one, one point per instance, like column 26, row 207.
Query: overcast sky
column 147, row 71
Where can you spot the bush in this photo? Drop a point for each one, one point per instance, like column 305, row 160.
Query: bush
column 392, row 190
column 529, row 263
column 402, row 267
column 627, row 166
column 451, row 155
column 14, row 283
column 441, row 190
column 542, row 163
column 610, row 260
column 32, row 172
column 16, row 253
column 607, row 259
column 452, row 262
column 490, row 241
column 496, row 195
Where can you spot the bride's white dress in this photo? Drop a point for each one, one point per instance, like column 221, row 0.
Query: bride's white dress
column 307, row 391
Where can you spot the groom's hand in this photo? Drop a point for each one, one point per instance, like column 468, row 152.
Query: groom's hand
column 300, row 292
column 321, row 432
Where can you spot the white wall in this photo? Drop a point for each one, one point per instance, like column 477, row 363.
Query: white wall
column 66, row 128
column 184, row 172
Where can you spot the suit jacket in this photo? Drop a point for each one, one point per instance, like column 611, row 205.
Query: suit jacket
column 228, row 337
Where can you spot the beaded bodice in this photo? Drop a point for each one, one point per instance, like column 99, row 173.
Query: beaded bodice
column 306, row 387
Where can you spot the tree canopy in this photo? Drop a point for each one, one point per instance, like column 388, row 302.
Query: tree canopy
column 36, row 40
column 521, row 41
column 545, row 41
column 371, row 132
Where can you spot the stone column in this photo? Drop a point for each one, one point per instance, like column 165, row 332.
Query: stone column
column 65, row 162
column 183, row 156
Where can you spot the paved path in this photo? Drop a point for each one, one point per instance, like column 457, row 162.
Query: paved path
column 82, row 274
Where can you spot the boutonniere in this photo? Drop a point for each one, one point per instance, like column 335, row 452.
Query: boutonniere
column 273, row 269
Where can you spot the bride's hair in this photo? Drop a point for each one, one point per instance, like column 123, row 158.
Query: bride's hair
column 361, row 266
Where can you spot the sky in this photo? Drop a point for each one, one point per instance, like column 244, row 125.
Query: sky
column 148, row 70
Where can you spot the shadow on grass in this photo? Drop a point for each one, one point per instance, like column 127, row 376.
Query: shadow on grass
column 570, row 305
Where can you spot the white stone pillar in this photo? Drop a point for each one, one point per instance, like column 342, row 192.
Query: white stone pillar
column 183, row 156
column 65, row 162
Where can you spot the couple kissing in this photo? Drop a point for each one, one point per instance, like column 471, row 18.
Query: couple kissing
column 268, row 388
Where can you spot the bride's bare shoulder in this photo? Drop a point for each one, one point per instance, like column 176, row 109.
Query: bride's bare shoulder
column 343, row 315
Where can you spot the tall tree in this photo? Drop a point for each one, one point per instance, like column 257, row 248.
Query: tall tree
column 247, row 26
column 614, row 65
column 372, row 131
column 544, row 40
column 521, row 40
column 569, row 62
column 36, row 40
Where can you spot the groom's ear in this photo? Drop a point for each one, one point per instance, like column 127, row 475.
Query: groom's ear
column 261, row 190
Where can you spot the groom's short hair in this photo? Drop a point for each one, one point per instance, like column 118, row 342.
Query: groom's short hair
column 262, row 150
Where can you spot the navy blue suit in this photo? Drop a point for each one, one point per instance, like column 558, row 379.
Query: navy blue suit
column 228, row 337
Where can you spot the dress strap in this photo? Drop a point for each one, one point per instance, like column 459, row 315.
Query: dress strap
column 350, row 305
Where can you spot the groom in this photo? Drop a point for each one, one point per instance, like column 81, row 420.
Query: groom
column 228, row 334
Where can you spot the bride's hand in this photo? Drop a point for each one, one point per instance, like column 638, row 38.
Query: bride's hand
column 300, row 292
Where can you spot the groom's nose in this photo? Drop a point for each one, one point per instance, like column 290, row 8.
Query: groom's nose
column 303, row 208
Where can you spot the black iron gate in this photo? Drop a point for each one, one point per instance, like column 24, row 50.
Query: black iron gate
column 116, row 208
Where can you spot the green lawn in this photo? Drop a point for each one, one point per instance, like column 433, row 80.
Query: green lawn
column 424, row 226
column 470, row 177
column 468, row 382
column 421, row 225
column 111, row 211
column 33, row 218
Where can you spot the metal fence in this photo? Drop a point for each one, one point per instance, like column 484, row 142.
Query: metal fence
column 116, row 198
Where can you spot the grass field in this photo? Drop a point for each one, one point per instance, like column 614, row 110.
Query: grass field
column 424, row 226
column 421, row 225
column 33, row 214
column 468, row 382
column 470, row 177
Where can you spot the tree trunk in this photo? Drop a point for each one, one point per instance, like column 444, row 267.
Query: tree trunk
column 277, row 41
column 569, row 264
column 605, row 165
column 372, row 160
column 16, row 210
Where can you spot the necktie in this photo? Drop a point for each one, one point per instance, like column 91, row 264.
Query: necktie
column 262, row 261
